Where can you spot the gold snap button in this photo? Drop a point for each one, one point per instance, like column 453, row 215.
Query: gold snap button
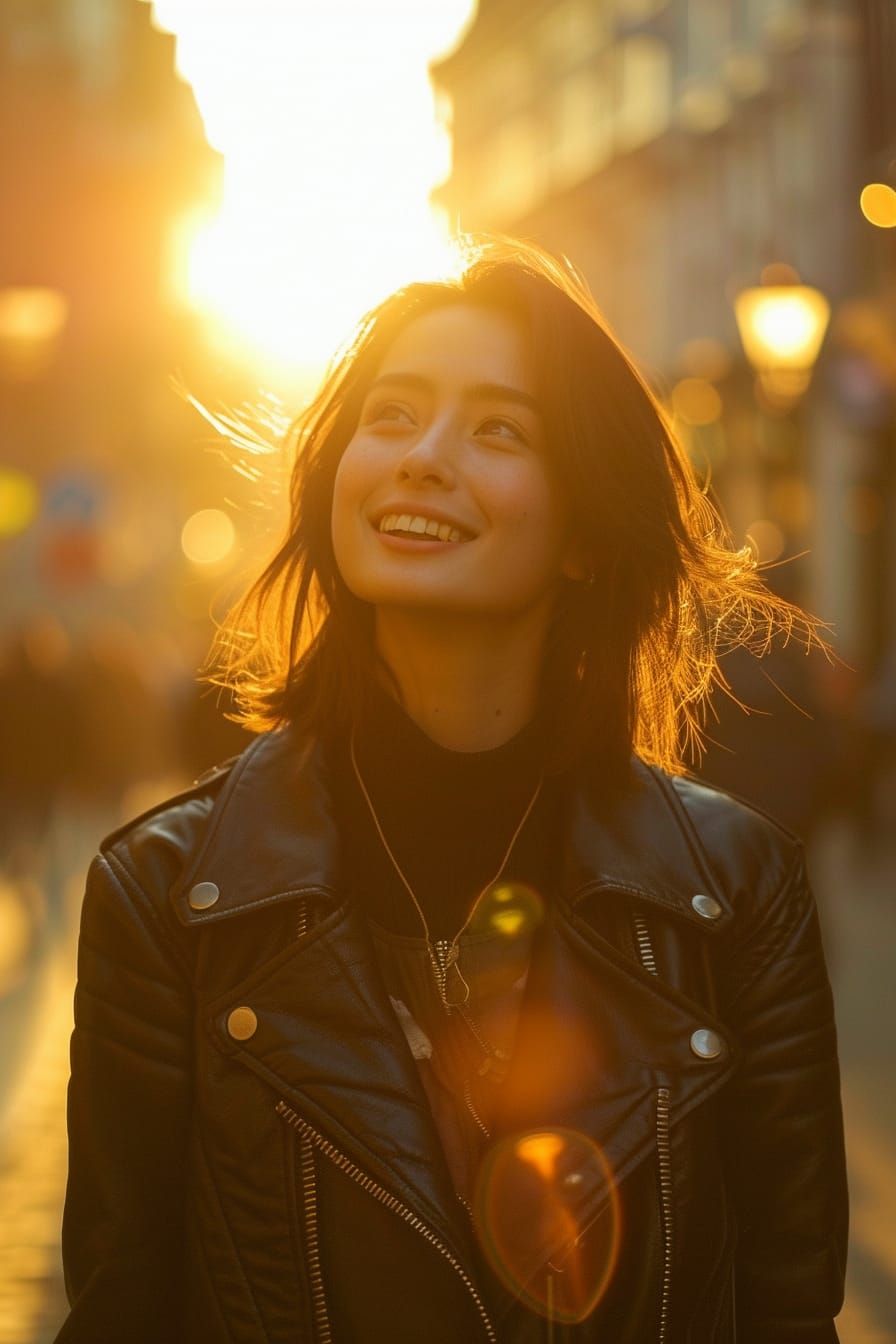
column 203, row 895
column 706, row 906
column 706, row 1044
column 241, row 1024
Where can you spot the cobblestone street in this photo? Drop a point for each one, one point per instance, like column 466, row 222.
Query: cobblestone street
column 32, row 1175
column 857, row 891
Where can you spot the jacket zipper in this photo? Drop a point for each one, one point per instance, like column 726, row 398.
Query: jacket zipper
column 445, row 954
column 443, row 958
column 663, row 1147
column 309, row 1196
column 302, row 919
column 387, row 1199
column 664, row 1155
column 645, row 948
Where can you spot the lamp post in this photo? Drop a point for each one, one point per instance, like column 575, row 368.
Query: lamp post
column 782, row 325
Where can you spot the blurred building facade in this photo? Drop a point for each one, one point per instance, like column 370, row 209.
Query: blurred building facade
column 674, row 149
column 102, row 153
column 103, row 162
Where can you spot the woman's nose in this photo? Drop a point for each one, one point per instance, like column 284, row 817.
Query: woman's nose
column 430, row 457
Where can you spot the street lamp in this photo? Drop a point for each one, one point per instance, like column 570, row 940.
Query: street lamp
column 782, row 325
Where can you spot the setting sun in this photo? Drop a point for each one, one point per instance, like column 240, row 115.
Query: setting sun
column 326, row 119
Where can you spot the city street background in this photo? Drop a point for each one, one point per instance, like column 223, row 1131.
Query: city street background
column 855, row 878
column 195, row 212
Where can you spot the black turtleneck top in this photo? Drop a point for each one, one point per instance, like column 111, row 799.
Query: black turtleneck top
column 448, row 818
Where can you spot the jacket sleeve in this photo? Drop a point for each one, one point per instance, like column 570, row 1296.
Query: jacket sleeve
column 128, row 1117
column 782, row 1125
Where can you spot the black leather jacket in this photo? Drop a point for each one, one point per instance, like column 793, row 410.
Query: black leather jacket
column 252, row 1155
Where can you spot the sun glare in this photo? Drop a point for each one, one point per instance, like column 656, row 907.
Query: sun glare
column 326, row 119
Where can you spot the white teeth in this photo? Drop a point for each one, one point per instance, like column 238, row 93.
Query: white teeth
column 416, row 523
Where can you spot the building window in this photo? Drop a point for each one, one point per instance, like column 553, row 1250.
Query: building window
column 504, row 84
column 635, row 11
column 571, row 30
column 794, row 147
column 583, row 125
column 779, row 22
column 749, row 203
column 643, row 91
column 795, row 143
column 709, row 36
column 512, row 169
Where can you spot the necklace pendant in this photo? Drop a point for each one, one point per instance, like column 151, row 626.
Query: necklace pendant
column 456, row 991
column 453, row 988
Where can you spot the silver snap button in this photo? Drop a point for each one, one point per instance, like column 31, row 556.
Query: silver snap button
column 242, row 1024
column 706, row 906
column 706, row 1044
column 203, row 895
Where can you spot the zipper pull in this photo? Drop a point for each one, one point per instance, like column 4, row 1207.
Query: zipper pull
column 453, row 988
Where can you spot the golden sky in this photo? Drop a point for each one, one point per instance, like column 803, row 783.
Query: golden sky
column 326, row 118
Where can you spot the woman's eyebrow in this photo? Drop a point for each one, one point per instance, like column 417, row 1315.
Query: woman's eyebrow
column 503, row 392
column 475, row 392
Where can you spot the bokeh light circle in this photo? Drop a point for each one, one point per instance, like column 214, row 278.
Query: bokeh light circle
column 696, row 401
column 878, row 205
column 546, row 1211
column 19, row 500
column 208, row 537
column 767, row 539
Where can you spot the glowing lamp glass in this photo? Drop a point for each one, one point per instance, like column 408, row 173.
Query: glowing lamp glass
column 782, row 326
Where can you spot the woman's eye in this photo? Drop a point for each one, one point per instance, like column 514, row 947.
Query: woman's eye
column 388, row 412
column 497, row 427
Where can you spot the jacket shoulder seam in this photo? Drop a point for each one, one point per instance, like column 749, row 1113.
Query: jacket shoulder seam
column 207, row 786
column 129, row 885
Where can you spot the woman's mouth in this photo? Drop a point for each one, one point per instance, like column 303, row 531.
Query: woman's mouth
column 419, row 528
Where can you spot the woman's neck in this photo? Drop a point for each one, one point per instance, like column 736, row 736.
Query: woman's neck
column 468, row 686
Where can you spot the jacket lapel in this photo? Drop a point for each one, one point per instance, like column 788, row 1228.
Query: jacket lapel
column 598, row 1035
column 329, row 1044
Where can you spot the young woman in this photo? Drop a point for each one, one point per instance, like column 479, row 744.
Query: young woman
column 454, row 1010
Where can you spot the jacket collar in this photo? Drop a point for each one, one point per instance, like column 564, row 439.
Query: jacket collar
column 272, row 837
column 643, row 842
column 271, row 834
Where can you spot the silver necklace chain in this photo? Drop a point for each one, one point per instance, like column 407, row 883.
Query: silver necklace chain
column 441, row 961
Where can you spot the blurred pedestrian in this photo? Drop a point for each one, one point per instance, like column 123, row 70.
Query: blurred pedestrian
column 440, row 1014
column 770, row 740
column 37, row 738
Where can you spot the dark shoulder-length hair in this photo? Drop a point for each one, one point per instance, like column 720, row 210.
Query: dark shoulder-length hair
column 634, row 647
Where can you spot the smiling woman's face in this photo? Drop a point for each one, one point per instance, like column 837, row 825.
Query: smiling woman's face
column 443, row 499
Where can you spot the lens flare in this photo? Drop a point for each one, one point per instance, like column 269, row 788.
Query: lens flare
column 542, row 1150
column 510, row 908
column 547, row 1216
